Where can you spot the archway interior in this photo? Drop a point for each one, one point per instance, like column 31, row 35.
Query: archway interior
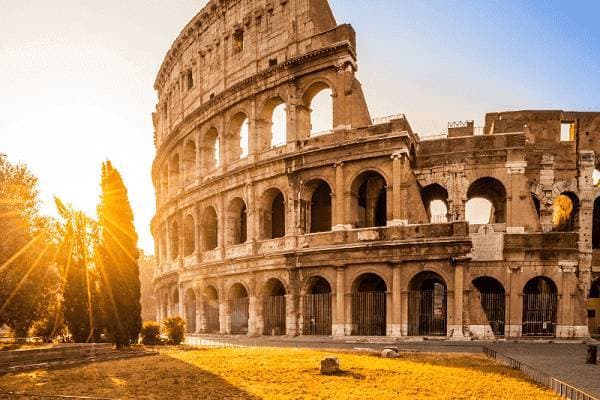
column 435, row 200
column 189, row 162
column 238, row 222
column 211, row 310
column 321, row 112
column 320, row 207
column 317, row 310
column 238, row 309
column 174, row 174
column 210, row 229
column 210, row 150
column 493, row 302
column 174, row 241
column 486, row 202
column 593, row 308
column 540, row 303
column 272, row 211
column 369, row 306
column 427, row 305
column 596, row 225
column 189, row 236
column 596, row 178
column 371, row 198
column 565, row 215
column 190, row 311
column 274, row 313
column 279, row 126
column 537, row 204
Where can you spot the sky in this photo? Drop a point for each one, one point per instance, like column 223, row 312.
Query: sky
column 76, row 76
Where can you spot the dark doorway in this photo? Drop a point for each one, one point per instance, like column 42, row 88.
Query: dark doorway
column 369, row 306
column 317, row 308
column 427, row 305
column 540, row 304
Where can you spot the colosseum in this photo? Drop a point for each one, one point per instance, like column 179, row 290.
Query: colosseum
column 283, row 208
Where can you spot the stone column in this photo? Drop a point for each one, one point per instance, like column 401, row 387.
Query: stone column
column 398, row 206
column 290, row 315
column 253, row 316
column 395, row 329
column 457, row 326
column 339, row 217
column 517, row 206
column 340, row 321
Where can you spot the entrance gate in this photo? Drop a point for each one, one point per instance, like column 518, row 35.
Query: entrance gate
column 369, row 313
column 211, row 317
column 274, row 315
column 239, row 312
column 493, row 305
column 317, row 314
column 427, row 316
column 539, row 314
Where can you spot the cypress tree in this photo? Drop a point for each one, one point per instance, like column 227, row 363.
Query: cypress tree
column 117, row 261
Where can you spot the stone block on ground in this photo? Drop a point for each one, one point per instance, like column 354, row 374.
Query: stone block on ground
column 389, row 353
column 330, row 366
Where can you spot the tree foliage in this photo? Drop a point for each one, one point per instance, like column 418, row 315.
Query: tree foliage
column 28, row 277
column 117, row 260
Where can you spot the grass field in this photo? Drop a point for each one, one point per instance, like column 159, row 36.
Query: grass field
column 280, row 374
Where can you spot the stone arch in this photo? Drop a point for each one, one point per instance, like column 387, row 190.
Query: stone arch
column 237, row 221
column 435, row 200
column 316, row 306
column 211, row 309
column 565, row 216
column 174, row 240
column 427, row 305
column 493, row 192
column 540, row 307
column 274, row 307
column 369, row 305
column 239, row 303
column 369, row 199
column 492, row 298
column 274, row 117
column 190, row 310
column 318, row 206
column 210, row 150
column 238, row 137
column 318, row 97
column 190, row 170
column 174, row 168
column 273, row 214
column 210, row 229
column 189, row 235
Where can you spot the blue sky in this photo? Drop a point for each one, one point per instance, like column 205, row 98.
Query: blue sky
column 76, row 76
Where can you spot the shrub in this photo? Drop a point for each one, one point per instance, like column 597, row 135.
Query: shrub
column 174, row 329
column 151, row 333
column 48, row 328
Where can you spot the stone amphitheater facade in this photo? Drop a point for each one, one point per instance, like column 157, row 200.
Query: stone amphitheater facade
column 335, row 233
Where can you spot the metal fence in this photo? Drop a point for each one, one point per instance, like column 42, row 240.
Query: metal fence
column 494, row 307
column 317, row 314
column 427, row 313
column 211, row 318
column 239, row 314
column 539, row 314
column 274, row 315
column 369, row 313
column 562, row 388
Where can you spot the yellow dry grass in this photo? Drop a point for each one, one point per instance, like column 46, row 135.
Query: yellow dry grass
column 281, row 374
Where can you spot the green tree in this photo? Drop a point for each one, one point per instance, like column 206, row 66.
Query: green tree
column 118, row 260
column 28, row 275
column 78, row 234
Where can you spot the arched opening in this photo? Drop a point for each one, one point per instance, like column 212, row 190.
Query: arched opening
column 211, row 310
column 174, row 236
column 189, row 236
column 210, row 150
column 239, row 137
column 540, row 303
column 493, row 301
column 190, row 311
column 593, row 308
column 189, row 162
column 238, row 309
column 164, row 184
column 369, row 191
column 210, row 230
column 317, row 307
column 427, row 305
column 174, row 182
column 596, row 225
column 435, row 200
column 319, row 207
column 274, row 308
column 537, row 204
column 369, row 305
column 275, row 118
column 596, row 178
column 565, row 214
column 237, row 221
column 319, row 99
column 486, row 202
column 272, row 211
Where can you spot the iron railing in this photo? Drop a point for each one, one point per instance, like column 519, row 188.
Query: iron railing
column 561, row 388
column 494, row 307
column 211, row 317
column 239, row 314
column 369, row 313
column 385, row 120
column 317, row 314
column 427, row 313
column 539, row 314
column 274, row 315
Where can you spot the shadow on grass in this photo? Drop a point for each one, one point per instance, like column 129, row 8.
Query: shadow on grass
column 154, row 377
